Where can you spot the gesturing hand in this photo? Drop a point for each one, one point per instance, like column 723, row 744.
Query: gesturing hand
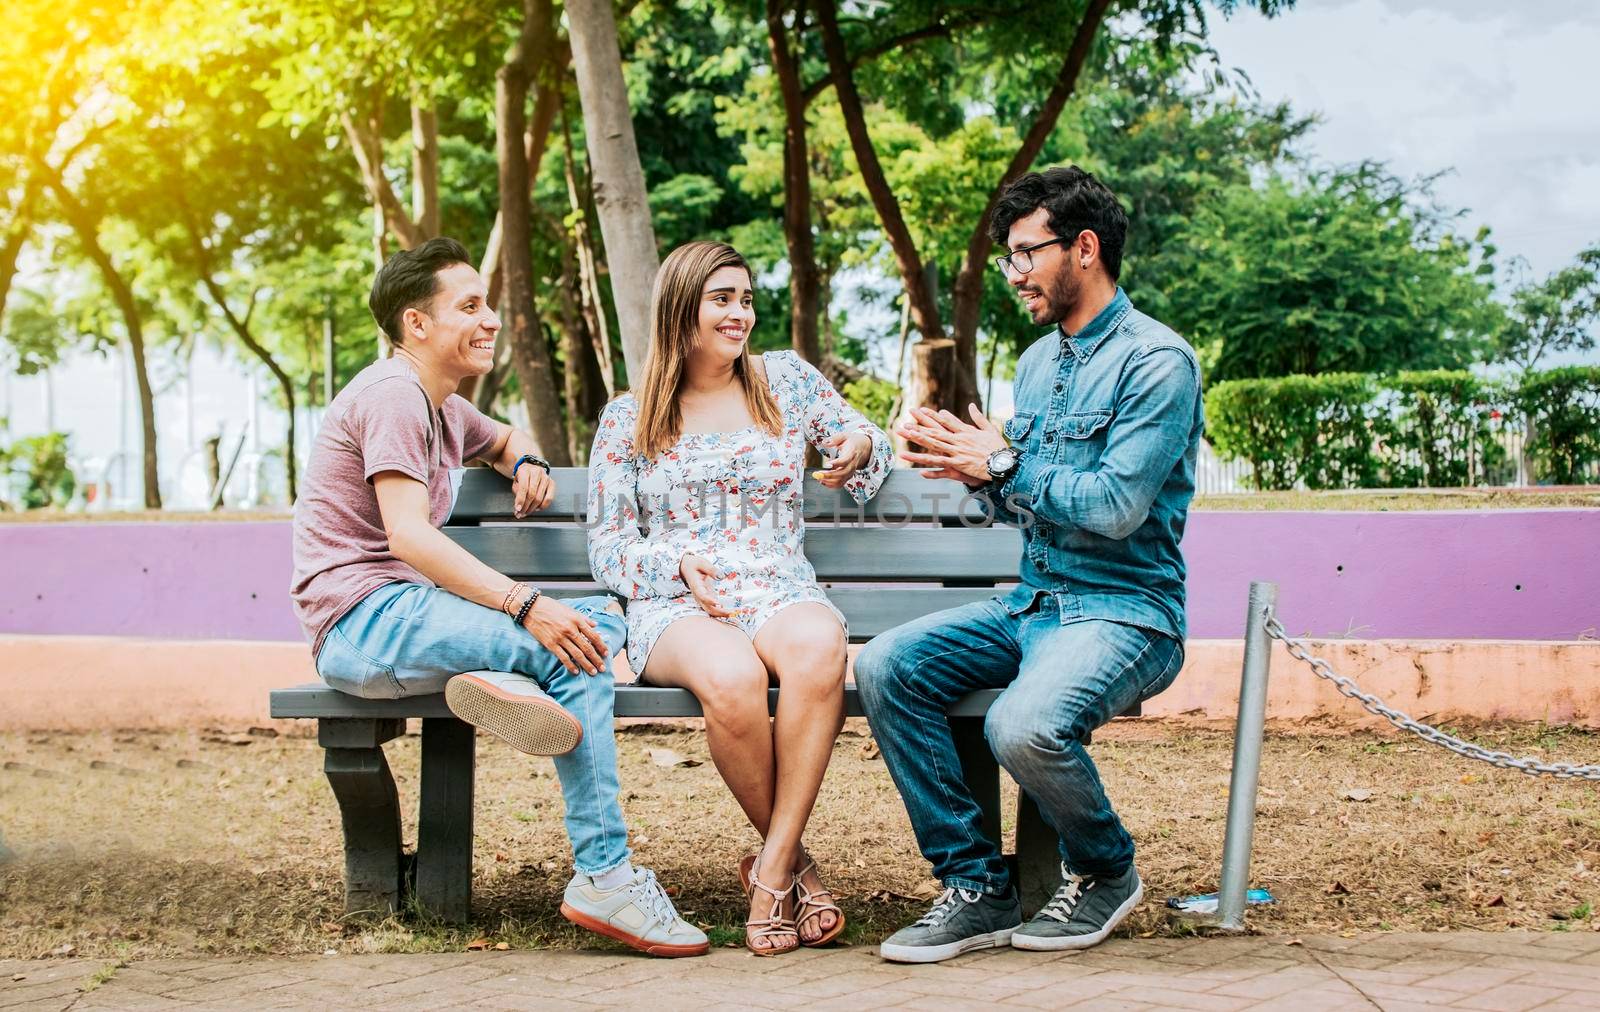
column 532, row 490
column 572, row 637
column 697, row 573
column 952, row 447
column 851, row 451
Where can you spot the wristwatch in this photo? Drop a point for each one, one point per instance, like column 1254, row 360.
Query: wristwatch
column 529, row 458
column 1003, row 463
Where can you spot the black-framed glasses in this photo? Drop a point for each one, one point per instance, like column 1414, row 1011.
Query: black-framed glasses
column 1021, row 260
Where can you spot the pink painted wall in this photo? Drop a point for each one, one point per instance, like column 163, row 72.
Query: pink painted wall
column 1478, row 574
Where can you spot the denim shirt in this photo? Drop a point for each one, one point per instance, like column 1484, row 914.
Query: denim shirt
column 1108, row 421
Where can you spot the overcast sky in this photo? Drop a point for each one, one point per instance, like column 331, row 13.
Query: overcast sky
column 1504, row 92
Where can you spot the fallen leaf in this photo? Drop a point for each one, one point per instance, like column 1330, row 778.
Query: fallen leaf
column 18, row 976
column 670, row 890
column 262, row 732
column 667, row 758
column 1358, row 794
column 869, row 749
column 1336, row 889
column 1294, row 941
column 230, row 739
column 333, row 927
column 1498, row 901
column 502, row 946
column 478, row 944
column 1471, row 778
column 64, row 950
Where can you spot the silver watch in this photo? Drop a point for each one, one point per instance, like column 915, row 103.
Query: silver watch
column 1003, row 462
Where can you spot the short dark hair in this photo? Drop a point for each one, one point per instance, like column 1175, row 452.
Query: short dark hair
column 410, row 279
column 1077, row 202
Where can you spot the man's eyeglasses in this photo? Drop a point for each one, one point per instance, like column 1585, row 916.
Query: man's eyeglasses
column 1021, row 260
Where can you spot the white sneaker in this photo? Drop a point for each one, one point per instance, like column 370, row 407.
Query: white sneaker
column 639, row 914
column 514, row 709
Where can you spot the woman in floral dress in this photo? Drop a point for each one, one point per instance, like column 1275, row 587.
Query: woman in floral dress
column 694, row 512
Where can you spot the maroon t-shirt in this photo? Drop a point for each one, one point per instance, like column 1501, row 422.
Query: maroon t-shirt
column 381, row 421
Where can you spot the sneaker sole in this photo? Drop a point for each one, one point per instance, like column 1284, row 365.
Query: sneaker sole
column 1057, row 943
column 939, row 953
column 643, row 945
column 536, row 725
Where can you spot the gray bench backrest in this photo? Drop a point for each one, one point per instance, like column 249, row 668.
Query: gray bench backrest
column 917, row 547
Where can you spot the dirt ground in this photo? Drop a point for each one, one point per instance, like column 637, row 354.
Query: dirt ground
column 143, row 844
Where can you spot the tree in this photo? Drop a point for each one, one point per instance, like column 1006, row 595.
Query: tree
column 1555, row 316
column 1349, row 271
column 620, row 195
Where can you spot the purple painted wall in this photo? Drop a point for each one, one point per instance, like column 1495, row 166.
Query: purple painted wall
column 1517, row 574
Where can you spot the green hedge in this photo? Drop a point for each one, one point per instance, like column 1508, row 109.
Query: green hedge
column 1415, row 429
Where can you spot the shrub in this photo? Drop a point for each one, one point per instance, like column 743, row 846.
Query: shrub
column 1562, row 407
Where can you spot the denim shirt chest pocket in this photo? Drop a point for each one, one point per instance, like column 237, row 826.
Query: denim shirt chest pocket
column 1077, row 438
column 1018, row 429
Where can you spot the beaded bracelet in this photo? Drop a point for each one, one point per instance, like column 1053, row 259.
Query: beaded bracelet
column 527, row 605
column 505, row 605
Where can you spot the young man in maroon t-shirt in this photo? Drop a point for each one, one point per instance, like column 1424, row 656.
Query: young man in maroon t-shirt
column 394, row 608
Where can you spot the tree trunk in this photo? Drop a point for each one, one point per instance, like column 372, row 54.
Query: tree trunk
column 967, row 293
column 924, row 311
column 620, row 199
column 804, row 277
column 935, row 371
column 530, row 353
column 366, row 143
column 425, row 168
column 11, row 243
column 86, row 228
column 241, row 330
column 592, row 305
column 482, row 390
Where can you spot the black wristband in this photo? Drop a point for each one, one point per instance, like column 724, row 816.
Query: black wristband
column 527, row 605
column 528, row 458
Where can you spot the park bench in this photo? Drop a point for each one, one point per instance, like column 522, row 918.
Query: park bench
column 918, row 547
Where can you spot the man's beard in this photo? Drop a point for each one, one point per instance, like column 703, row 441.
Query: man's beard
column 1061, row 298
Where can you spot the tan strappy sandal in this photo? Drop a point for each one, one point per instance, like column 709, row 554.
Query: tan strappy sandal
column 772, row 927
column 812, row 905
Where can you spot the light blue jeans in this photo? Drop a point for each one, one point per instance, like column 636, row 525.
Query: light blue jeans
column 405, row 639
column 1061, row 681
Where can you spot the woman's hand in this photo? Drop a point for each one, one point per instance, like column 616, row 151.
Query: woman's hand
column 850, row 453
column 698, row 573
column 572, row 637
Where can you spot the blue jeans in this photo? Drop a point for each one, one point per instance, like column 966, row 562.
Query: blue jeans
column 1061, row 681
column 405, row 639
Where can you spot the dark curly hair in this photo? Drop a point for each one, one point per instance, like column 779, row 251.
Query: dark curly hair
column 1076, row 201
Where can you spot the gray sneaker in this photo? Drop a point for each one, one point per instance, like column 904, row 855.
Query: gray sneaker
column 1082, row 913
column 960, row 920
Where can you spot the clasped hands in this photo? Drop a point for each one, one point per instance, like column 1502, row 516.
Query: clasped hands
column 951, row 447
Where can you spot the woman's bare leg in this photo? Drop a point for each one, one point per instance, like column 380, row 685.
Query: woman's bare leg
column 804, row 648
column 718, row 663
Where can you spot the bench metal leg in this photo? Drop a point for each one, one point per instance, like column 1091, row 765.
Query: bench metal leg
column 980, row 771
column 1038, row 867
column 444, row 824
column 369, row 807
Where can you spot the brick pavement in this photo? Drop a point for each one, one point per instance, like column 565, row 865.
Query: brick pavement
column 1506, row 972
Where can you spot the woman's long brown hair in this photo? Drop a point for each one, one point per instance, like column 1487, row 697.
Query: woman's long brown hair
column 674, row 329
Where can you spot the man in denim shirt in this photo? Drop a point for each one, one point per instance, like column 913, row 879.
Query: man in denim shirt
column 1097, row 468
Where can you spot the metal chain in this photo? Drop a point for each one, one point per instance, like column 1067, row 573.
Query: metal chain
column 1374, row 705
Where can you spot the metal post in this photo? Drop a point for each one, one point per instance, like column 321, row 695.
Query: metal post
column 1246, row 759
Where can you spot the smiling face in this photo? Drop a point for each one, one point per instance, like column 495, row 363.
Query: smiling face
column 727, row 314
column 1052, row 287
column 457, row 329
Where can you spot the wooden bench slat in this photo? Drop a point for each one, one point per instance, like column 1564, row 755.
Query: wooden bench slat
column 485, row 495
column 868, row 554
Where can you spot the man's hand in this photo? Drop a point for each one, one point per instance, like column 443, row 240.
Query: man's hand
column 697, row 573
column 573, row 638
column 951, row 447
column 851, row 452
column 532, row 490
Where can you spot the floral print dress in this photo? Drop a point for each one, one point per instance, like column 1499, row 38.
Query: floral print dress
column 732, row 497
